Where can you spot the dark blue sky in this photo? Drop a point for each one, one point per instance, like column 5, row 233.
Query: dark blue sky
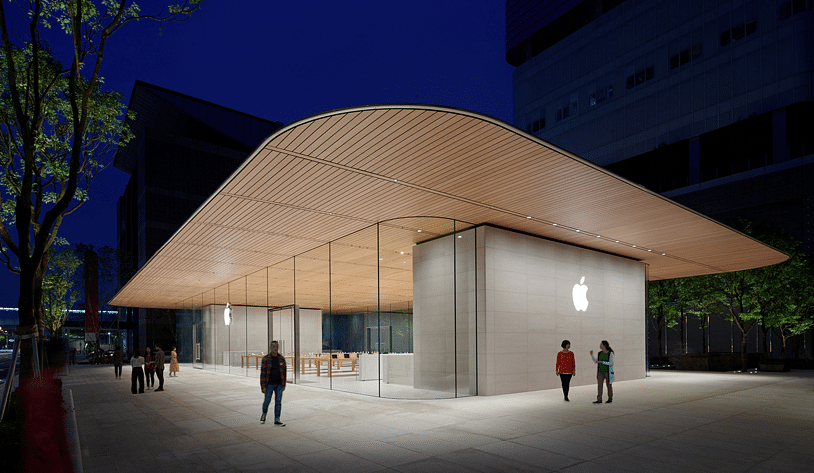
column 287, row 60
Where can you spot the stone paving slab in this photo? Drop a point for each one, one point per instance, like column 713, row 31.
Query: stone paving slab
column 670, row 421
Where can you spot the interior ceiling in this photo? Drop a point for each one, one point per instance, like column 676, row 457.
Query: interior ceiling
column 333, row 176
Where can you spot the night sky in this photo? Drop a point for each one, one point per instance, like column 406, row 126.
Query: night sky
column 287, row 60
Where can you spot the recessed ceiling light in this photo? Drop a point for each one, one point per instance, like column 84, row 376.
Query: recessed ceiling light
column 663, row 254
column 381, row 259
column 528, row 217
column 554, row 224
column 402, row 252
column 395, row 180
column 419, row 231
column 330, row 213
column 405, row 261
column 634, row 246
column 649, row 250
column 577, row 231
column 599, row 236
column 491, row 207
column 459, row 236
column 617, row 241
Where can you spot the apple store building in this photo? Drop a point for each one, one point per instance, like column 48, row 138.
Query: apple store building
column 424, row 252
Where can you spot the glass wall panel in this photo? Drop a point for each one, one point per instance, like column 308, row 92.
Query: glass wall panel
column 209, row 322
column 281, row 314
column 350, row 328
column 257, row 341
column 433, row 294
column 197, row 332
column 465, row 311
column 313, row 297
column 222, row 331
column 239, row 327
column 386, row 311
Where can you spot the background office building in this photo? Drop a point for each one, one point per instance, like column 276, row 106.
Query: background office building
column 183, row 149
column 707, row 102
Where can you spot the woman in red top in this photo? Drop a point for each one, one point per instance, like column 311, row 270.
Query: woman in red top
column 566, row 366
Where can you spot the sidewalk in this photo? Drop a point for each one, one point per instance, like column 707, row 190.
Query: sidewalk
column 669, row 422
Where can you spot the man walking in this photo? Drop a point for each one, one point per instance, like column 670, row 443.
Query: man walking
column 118, row 361
column 159, row 367
column 272, row 380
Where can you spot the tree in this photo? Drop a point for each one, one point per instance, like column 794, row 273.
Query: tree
column 56, row 126
column 59, row 287
column 659, row 299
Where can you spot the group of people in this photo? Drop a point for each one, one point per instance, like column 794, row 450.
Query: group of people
column 149, row 365
column 566, row 369
column 273, row 375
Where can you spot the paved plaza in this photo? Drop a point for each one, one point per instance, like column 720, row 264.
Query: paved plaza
column 669, row 422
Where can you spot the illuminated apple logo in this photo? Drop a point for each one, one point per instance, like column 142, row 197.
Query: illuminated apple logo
column 579, row 295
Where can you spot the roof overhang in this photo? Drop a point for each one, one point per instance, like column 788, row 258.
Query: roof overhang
column 329, row 175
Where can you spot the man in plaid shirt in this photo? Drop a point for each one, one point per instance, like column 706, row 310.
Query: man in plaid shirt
column 272, row 380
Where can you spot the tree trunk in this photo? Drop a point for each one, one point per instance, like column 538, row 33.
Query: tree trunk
column 28, row 322
column 703, row 338
column 765, row 331
column 783, row 347
column 661, row 349
column 744, row 358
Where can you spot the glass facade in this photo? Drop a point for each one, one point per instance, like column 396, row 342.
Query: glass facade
column 354, row 315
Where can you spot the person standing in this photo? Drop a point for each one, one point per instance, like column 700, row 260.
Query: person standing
column 73, row 356
column 174, row 368
column 159, row 367
column 604, row 371
column 566, row 367
column 137, row 362
column 118, row 361
column 149, row 369
column 272, row 380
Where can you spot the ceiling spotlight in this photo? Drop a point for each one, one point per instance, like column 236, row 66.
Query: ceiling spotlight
column 663, row 254
column 554, row 224
column 402, row 252
column 395, row 180
column 599, row 236
column 617, row 241
column 330, row 213
column 528, row 217
column 634, row 246
column 419, row 231
column 491, row 207
column 577, row 231
column 381, row 259
column 649, row 250
column 459, row 236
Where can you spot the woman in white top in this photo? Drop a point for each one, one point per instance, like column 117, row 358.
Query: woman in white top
column 137, row 362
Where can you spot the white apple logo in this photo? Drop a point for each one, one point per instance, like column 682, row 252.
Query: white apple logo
column 579, row 296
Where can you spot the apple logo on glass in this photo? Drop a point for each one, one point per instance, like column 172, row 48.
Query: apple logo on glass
column 579, row 295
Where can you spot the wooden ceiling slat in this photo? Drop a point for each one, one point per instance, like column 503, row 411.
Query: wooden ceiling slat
column 449, row 164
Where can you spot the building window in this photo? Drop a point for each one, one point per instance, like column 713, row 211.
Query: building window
column 787, row 9
column 640, row 77
column 738, row 32
column 685, row 56
column 536, row 125
column 600, row 95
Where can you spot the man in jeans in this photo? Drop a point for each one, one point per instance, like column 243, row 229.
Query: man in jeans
column 159, row 367
column 272, row 380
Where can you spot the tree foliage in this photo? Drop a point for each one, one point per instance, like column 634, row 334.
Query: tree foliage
column 56, row 125
column 59, row 287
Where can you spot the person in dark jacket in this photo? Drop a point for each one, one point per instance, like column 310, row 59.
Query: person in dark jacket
column 159, row 367
column 118, row 361
column 272, row 380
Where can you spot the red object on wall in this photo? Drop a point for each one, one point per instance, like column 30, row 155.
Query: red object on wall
column 91, row 292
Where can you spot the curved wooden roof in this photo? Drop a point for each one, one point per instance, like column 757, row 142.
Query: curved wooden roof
column 332, row 174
